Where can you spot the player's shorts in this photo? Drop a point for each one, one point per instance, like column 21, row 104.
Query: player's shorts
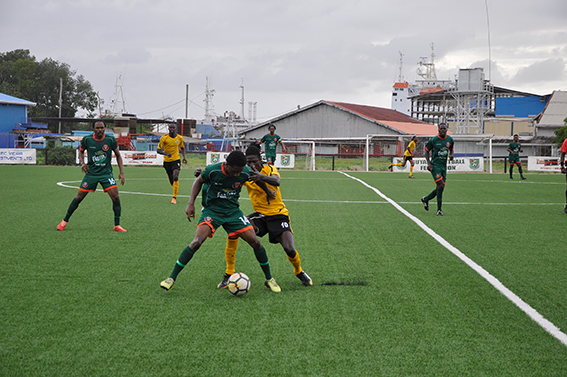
column 90, row 182
column 439, row 174
column 171, row 166
column 407, row 158
column 234, row 223
column 271, row 158
column 514, row 160
column 272, row 225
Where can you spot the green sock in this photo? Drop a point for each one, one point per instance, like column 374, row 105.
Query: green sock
column 184, row 258
column 72, row 207
column 117, row 211
column 521, row 172
column 431, row 195
column 439, row 199
column 262, row 258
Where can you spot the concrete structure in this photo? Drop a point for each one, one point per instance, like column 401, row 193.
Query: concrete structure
column 553, row 116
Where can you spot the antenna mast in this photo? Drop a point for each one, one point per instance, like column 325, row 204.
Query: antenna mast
column 209, row 93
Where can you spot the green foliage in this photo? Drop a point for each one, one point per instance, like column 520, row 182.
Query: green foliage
column 60, row 156
column 22, row 76
column 560, row 135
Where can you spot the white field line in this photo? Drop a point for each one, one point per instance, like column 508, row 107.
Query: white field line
column 67, row 184
column 531, row 312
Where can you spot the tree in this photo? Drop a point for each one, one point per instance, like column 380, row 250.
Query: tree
column 22, row 76
column 560, row 135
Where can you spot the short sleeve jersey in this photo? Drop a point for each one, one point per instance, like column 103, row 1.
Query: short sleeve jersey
column 271, row 142
column 439, row 150
column 99, row 153
column 515, row 148
column 410, row 148
column 259, row 198
column 564, row 146
column 171, row 145
column 220, row 190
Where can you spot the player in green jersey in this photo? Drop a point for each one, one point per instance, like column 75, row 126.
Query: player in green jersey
column 514, row 149
column 440, row 148
column 221, row 185
column 271, row 141
column 99, row 148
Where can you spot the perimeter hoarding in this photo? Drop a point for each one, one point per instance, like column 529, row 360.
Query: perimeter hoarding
column 18, row 156
column 282, row 160
column 459, row 164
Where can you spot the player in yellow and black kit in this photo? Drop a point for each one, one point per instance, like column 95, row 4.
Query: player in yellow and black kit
column 408, row 156
column 169, row 146
column 271, row 216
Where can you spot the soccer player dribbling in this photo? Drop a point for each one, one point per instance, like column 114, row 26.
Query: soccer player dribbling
column 98, row 169
column 440, row 148
column 221, row 184
column 271, row 216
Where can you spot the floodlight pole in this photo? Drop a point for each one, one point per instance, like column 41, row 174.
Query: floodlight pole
column 490, row 154
column 366, row 150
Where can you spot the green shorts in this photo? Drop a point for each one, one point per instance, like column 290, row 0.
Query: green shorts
column 271, row 158
column 514, row 160
column 234, row 223
column 90, row 182
column 439, row 174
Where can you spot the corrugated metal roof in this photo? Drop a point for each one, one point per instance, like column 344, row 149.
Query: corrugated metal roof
column 9, row 100
column 555, row 111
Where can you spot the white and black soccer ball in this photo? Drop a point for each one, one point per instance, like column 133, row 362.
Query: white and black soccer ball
column 238, row 284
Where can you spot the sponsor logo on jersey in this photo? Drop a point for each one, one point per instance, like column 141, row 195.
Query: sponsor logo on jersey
column 236, row 185
column 105, row 147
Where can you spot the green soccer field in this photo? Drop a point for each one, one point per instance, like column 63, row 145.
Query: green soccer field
column 481, row 291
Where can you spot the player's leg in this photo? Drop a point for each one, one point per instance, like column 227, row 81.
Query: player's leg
column 169, row 171
column 425, row 200
column 520, row 169
column 440, row 188
column 72, row 207
column 411, row 167
column 287, row 242
column 116, row 206
column 565, row 207
column 512, row 163
column 204, row 230
column 230, row 257
column 262, row 257
column 175, row 179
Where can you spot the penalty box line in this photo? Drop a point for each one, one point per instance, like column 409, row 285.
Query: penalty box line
column 525, row 307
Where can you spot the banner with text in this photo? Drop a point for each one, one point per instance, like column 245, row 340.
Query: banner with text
column 544, row 164
column 18, row 156
column 151, row 158
column 459, row 164
column 282, row 160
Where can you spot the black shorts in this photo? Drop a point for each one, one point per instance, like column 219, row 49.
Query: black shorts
column 272, row 225
column 172, row 166
column 407, row 158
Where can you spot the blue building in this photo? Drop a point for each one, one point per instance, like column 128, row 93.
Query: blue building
column 13, row 115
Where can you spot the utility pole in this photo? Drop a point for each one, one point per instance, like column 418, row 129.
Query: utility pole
column 186, row 101
column 60, row 100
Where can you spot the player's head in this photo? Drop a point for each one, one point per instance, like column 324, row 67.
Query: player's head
column 442, row 129
column 99, row 126
column 254, row 157
column 172, row 128
column 235, row 163
column 414, row 138
column 516, row 137
column 272, row 129
column 93, row 124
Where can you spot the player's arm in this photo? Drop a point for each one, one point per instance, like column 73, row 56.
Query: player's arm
column 562, row 158
column 429, row 166
column 84, row 167
column 451, row 154
column 195, row 190
column 161, row 149
column 284, row 148
column 272, row 179
column 182, row 149
column 120, row 165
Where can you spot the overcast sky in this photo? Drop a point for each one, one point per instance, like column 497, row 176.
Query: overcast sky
column 287, row 53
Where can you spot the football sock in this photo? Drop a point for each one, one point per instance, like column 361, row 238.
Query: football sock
column 521, row 172
column 411, row 170
column 184, row 258
column 72, row 207
column 398, row 164
column 439, row 199
column 175, row 188
column 511, row 168
column 230, row 254
column 431, row 195
column 262, row 258
column 296, row 263
column 117, row 211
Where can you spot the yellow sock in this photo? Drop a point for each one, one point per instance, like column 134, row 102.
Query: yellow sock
column 175, row 188
column 230, row 254
column 296, row 263
column 410, row 170
column 399, row 164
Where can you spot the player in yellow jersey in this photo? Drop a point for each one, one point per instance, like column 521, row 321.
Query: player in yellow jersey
column 271, row 216
column 169, row 146
column 408, row 156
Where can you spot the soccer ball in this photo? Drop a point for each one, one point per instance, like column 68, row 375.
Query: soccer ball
column 238, row 284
